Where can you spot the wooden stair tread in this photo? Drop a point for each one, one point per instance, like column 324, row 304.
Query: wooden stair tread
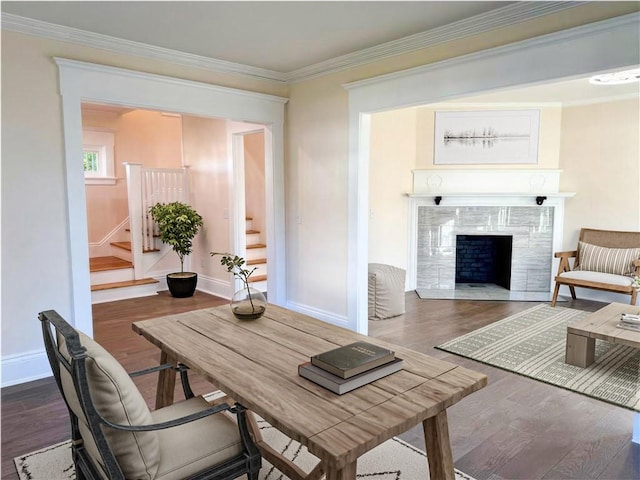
column 127, row 283
column 251, row 232
column 257, row 278
column 257, row 261
column 127, row 246
column 101, row 264
column 257, row 245
column 155, row 235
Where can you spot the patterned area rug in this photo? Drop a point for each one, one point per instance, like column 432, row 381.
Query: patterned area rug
column 532, row 343
column 393, row 460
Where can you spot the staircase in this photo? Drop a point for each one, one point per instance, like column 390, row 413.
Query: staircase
column 112, row 278
column 256, row 257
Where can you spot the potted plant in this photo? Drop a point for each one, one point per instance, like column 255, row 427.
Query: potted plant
column 178, row 223
column 247, row 303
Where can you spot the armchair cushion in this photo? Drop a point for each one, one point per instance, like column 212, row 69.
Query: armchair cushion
column 616, row 261
column 118, row 400
column 218, row 439
column 609, row 278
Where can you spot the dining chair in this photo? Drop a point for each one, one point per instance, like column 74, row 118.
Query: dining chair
column 116, row 436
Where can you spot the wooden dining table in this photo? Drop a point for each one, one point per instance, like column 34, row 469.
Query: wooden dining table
column 255, row 363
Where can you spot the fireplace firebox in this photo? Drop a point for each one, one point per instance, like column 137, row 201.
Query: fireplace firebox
column 484, row 259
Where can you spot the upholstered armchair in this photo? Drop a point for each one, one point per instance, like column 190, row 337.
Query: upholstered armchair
column 116, row 436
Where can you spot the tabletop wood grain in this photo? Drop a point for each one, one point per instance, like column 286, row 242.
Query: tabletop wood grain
column 256, row 363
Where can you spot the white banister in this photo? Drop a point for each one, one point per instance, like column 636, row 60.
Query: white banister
column 145, row 188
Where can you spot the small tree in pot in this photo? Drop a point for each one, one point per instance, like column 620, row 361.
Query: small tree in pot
column 178, row 223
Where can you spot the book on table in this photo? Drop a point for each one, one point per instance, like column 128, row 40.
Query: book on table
column 343, row 385
column 352, row 359
column 629, row 322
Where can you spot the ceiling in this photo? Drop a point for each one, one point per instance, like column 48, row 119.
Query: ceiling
column 279, row 36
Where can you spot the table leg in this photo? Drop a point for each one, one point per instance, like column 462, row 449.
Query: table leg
column 436, row 437
column 166, row 383
column 346, row 473
column 580, row 351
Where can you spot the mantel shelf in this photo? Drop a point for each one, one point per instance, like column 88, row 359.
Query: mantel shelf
column 491, row 194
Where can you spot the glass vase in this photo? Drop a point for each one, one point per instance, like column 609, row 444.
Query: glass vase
column 248, row 304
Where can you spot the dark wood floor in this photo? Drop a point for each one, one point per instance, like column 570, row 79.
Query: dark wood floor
column 515, row 428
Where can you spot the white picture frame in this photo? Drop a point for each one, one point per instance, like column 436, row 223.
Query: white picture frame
column 490, row 137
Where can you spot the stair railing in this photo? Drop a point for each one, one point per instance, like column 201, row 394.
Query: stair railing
column 145, row 188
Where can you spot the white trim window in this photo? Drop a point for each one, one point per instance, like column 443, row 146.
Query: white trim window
column 97, row 157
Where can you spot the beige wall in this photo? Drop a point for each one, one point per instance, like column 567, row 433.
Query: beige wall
column 600, row 159
column 394, row 137
column 255, row 204
column 141, row 136
column 35, row 235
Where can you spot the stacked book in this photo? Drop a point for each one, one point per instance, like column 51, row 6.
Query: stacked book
column 346, row 368
column 630, row 321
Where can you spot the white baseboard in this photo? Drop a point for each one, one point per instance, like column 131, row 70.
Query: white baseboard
column 213, row 286
column 25, row 367
column 323, row 315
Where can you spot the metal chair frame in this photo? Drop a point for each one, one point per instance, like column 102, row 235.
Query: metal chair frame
column 248, row 462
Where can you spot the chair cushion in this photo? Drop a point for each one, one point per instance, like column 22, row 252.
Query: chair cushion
column 192, row 447
column 609, row 278
column 617, row 261
column 386, row 291
column 118, row 400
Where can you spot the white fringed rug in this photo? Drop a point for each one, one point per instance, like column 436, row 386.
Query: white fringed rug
column 393, row 460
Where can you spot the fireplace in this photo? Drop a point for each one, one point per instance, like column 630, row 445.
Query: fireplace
column 521, row 207
column 484, row 259
column 531, row 229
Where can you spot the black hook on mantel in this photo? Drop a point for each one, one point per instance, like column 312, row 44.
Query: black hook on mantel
column 540, row 200
column 437, row 199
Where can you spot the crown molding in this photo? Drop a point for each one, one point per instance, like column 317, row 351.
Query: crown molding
column 501, row 17
column 51, row 31
column 531, row 43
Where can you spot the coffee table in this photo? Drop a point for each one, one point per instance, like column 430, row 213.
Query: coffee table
column 581, row 336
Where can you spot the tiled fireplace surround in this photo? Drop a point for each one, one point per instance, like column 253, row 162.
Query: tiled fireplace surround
column 530, row 226
column 503, row 202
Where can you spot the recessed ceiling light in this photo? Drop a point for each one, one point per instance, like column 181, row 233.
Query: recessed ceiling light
column 616, row 78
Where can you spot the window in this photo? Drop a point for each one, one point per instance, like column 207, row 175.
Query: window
column 97, row 157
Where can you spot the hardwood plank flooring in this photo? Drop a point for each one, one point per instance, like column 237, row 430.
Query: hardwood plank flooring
column 515, row 428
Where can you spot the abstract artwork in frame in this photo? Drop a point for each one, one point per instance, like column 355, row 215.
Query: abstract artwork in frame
column 486, row 137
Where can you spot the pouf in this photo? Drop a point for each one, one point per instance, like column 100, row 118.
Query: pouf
column 386, row 291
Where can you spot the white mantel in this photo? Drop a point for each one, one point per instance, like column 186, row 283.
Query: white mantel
column 485, row 181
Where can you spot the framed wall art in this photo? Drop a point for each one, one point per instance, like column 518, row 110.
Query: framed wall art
column 486, row 137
